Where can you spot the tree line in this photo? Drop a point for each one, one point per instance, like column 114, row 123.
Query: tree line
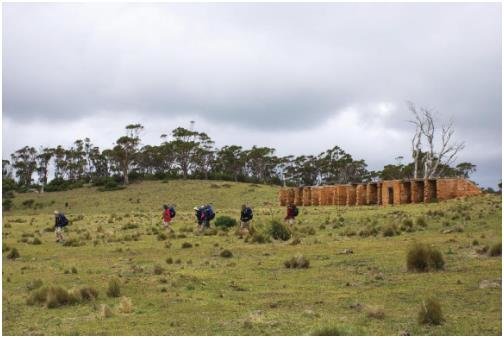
column 192, row 154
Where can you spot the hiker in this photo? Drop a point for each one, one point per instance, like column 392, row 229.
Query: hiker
column 245, row 218
column 60, row 221
column 292, row 212
column 204, row 214
column 168, row 214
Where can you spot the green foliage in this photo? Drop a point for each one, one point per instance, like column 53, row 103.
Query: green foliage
column 430, row 312
column 225, row 222
column 226, row 253
column 114, row 288
column 421, row 222
column 279, row 231
column 7, row 204
column 421, row 258
column 28, row 203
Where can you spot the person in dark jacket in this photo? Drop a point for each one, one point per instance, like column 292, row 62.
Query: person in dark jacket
column 60, row 222
column 167, row 218
column 245, row 218
column 291, row 214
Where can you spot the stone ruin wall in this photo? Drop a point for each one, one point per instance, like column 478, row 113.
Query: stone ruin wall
column 391, row 192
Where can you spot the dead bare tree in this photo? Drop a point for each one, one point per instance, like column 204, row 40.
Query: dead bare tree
column 426, row 128
column 416, row 141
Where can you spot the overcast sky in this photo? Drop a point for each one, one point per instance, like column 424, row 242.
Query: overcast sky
column 297, row 77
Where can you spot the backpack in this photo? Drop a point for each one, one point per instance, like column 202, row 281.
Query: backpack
column 210, row 214
column 172, row 212
column 295, row 211
column 63, row 220
column 247, row 213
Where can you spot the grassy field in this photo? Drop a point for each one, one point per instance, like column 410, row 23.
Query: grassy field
column 356, row 283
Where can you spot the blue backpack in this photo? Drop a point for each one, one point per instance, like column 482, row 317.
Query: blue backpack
column 63, row 221
column 210, row 214
column 247, row 213
column 172, row 212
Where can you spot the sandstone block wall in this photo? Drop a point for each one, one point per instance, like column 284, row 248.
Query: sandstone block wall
column 380, row 193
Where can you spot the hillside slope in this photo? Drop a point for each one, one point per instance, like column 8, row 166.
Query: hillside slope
column 149, row 196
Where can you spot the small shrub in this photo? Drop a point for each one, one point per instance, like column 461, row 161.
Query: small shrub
column 421, row 222
column 186, row 245
column 158, row 269
column 162, row 236
column 169, row 260
column 279, row 230
column 74, row 269
column 475, row 242
column 7, row 204
column 226, row 253
column 225, row 222
column 36, row 241
column 430, row 312
column 495, row 250
column 114, row 288
column 297, row 262
column 28, row 203
column 88, row 293
column 5, row 247
column 390, row 231
column 376, row 312
column 13, row 254
column 105, row 311
column 422, row 258
column 125, row 305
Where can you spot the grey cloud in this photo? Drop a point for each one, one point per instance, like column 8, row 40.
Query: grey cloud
column 264, row 67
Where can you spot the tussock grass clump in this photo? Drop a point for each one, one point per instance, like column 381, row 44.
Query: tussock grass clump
column 162, row 236
column 88, row 293
column 370, row 230
column 421, row 258
column 56, row 296
column 186, row 245
column 297, row 262
column 105, row 311
column 421, row 222
column 169, row 260
column 390, row 231
column 36, row 241
column 278, row 230
column 13, row 254
column 376, row 312
column 226, row 253
column 158, row 269
column 430, row 312
column 225, row 222
column 495, row 250
column 125, row 305
column 114, row 288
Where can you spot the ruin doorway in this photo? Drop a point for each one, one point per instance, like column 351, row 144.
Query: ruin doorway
column 390, row 195
column 407, row 192
column 420, row 191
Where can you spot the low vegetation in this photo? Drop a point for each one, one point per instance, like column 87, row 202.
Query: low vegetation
column 332, row 273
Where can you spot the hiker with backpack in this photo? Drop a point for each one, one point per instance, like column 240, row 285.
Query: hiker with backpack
column 245, row 218
column 168, row 215
column 60, row 221
column 292, row 212
column 204, row 214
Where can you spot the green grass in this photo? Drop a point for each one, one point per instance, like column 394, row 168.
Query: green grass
column 250, row 293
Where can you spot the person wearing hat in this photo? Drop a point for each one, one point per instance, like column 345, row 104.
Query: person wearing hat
column 200, row 216
column 60, row 221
